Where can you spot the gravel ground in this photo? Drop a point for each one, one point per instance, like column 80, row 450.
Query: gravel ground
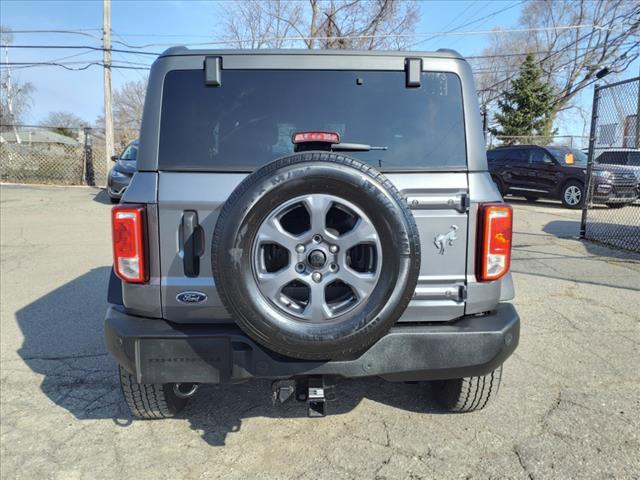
column 568, row 406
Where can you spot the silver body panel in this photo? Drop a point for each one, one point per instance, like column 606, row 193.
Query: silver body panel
column 439, row 200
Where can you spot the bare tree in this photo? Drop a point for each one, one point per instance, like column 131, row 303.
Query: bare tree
column 327, row 24
column 128, row 104
column 64, row 123
column 262, row 24
column 570, row 58
column 16, row 97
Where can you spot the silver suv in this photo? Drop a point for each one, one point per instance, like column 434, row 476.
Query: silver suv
column 305, row 216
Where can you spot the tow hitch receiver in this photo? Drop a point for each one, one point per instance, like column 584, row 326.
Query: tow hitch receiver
column 315, row 397
column 310, row 389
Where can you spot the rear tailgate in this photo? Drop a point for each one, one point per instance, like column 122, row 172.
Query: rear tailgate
column 438, row 202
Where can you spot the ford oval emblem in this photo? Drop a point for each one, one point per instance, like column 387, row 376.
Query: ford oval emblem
column 191, row 297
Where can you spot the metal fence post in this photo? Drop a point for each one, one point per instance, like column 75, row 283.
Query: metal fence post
column 88, row 158
column 592, row 143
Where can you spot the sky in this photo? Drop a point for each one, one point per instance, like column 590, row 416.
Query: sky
column 174, row 22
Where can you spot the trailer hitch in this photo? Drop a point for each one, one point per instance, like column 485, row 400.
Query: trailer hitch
column 312, row 390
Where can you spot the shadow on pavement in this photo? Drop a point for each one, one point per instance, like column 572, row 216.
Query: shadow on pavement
column 102, row 197
column 63, row 342
column 570, row 229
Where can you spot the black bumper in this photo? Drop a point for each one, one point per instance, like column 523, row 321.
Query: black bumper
column 157, row 351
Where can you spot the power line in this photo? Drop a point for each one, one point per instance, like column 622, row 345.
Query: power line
column 373, row 36
column 486, row 17
column 80, row 47
column 294, row 38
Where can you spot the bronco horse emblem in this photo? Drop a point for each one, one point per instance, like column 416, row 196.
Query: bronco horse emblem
column 444, row 239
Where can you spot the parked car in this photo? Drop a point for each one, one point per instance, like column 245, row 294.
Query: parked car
column 122, row 171
column 624, row 157
column 559, row 172
column 306, row 216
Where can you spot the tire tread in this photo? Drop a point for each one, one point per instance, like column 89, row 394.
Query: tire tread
column 149, row 400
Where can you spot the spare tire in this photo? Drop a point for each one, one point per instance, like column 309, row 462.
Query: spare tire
column 316, row 255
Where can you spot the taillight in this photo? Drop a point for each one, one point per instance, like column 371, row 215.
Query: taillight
column 494, row 237
column 322, row 137
column 129, row 247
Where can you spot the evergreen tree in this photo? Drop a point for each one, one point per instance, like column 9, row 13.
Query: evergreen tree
column 526, row 109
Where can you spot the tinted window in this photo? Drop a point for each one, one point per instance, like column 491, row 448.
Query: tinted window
column 539, row 156
column 620, row 158
column 249, row 120
column 495, row 155
column 519, row 155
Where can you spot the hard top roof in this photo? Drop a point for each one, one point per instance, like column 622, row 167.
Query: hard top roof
column 184, row 51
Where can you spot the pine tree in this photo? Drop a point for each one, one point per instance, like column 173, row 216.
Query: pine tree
column 526, row 109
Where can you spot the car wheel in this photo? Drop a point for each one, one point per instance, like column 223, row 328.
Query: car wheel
column 572, row 195
column 149, row 400
column 316, row 255
column 467, row 394
column 531, row 199
column 616, row 205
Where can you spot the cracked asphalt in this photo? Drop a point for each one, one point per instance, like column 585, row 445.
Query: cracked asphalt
column 568, row 406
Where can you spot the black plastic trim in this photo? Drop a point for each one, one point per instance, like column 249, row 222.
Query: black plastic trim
column 114, row 293
column 156, row 351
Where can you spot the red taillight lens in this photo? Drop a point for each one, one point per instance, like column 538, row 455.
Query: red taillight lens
column 323, row 137
column 129, row 248
column 494, row 237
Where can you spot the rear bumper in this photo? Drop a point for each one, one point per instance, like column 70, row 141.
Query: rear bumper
column 156, row 351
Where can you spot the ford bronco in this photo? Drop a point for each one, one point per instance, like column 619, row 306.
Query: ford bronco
column 306, row 216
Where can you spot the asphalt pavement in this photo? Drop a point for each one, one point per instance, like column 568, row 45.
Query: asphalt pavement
column 569, row 404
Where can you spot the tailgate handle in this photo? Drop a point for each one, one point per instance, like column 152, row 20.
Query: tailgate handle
column 193, row 243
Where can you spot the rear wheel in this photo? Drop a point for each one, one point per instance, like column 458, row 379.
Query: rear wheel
column 467, row 394
column 151, row 400
column 572, row 195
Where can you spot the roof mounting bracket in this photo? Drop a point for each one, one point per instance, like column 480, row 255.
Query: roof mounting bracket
column 212, row 71
column 413, row 69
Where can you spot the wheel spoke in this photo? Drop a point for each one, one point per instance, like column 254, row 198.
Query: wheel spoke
column 318, row 206
column 317, row 310
column 361, row 283
column 362, row 232
column 272, row 284
column 272, row 232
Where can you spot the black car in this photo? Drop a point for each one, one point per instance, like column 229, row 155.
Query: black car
column 559, row 172
column 122, row 172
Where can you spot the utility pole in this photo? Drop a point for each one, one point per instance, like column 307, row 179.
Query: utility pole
column 108, row 111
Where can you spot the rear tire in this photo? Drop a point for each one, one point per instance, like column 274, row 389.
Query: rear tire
column 150, row 401
column 467, row 394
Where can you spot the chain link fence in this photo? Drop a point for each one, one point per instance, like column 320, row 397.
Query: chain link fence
column 613, row 167
column 56, row 155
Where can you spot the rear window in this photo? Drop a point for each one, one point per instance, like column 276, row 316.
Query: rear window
column 249, row 120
